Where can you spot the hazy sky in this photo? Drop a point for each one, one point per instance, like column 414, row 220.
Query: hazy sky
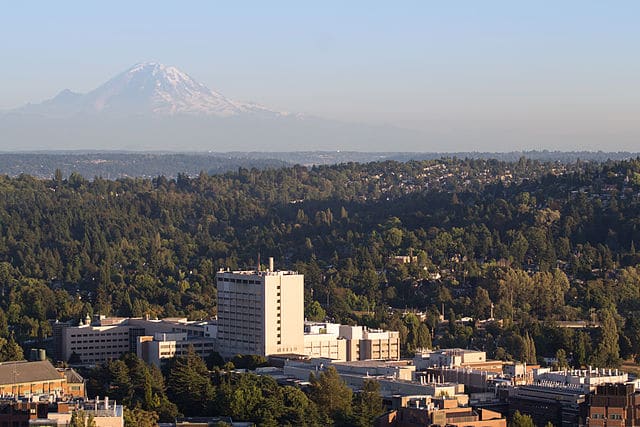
column 485, row 75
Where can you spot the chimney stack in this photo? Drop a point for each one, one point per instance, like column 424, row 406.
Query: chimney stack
column 271, row 264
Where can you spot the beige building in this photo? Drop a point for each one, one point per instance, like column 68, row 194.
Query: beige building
column 107, row 338
column 260, row 312
column 161, row 346
column 451, row 358
column 349, row 343
column 324, row 340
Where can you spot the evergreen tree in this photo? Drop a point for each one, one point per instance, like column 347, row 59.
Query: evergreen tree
column 10, row 350
column 521, row 420
column 607, row 353
column 530, row 350
column 561, row 357
column 299, row 410
column 332, row 395
column 189, row 386
column 367, row 405
column 137, row 417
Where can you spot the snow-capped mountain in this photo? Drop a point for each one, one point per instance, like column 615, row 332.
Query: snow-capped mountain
column 149, row 88
column 154, row 107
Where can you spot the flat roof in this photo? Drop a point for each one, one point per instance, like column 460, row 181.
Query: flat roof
column 259, row 273
column 375, row 363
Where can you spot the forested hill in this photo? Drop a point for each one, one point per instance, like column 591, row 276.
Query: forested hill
column 541, row 241
column 116, row 164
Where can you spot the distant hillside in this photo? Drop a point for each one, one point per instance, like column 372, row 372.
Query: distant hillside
column 115, row 165
column 118, row 164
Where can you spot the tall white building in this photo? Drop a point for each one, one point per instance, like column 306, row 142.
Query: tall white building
column 260, row 312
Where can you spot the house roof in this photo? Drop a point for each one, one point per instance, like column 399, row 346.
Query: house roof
column 27, row 372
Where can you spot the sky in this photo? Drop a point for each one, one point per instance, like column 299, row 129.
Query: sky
column 476, row 75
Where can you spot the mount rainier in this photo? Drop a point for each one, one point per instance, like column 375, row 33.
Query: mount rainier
column 148, row 88
column 154, row 107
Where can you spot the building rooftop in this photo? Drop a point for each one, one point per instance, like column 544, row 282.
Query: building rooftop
column 374, row 363
column 259, row 273
column 27, row 372
column 71, row 375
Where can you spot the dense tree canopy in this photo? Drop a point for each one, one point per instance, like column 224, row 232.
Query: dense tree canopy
column 529, row 243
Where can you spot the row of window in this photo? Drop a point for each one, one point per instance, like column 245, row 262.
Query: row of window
column 107, row 354
column 102, row 347
column 244, row 281
column 235, row 293
column 254, row 341
column 103, row 334
column 602, row 416
column 97, row 341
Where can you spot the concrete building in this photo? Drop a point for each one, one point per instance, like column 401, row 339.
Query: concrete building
column 563, row 406
column 394, row 377
column 108, row 338
column 475, row 381
column 324, row 340
column 376, row 344
column 350, row 343
column 587, row 379
column 90, row 345
column 454, row 358
column 162, row 346
column 260, row 312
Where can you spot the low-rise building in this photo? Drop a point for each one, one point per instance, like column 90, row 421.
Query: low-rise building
column 614, row 405
column 322, row 339
column 441, row 412
column 59, row 413
column 394, row 377
column 163, row 346
column 108, row 338
column 456, row 358
column 475, row 381
column 587, row 379
column 38, row 378
column 350, row 343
